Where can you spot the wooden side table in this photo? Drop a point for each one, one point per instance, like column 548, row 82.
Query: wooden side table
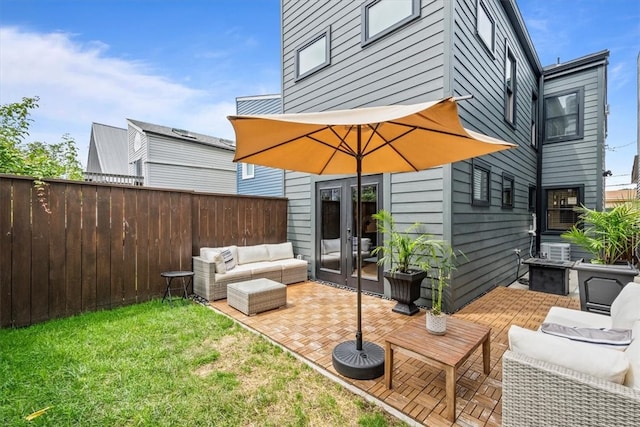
column 170, row 275
column 447, row 352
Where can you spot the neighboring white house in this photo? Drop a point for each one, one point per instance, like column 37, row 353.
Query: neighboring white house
column 161, row 156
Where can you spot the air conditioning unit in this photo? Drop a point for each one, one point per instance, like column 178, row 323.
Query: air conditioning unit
column 556, row 251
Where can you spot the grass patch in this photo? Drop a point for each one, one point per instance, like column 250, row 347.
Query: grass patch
column 155, row 365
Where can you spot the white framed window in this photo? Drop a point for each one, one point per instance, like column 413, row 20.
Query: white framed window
column 510, row 68
column 248, row 171
column 381, row 17
column 563, row 116
column 485, row 26
column 480, row 183
column 314, row 54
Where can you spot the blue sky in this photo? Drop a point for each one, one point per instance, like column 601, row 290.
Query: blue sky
column 183, row 63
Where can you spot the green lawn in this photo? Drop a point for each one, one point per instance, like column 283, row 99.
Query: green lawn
column 151, row 364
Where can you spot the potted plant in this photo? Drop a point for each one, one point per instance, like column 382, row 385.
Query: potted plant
column 445, row 265
column 410, row 254
column 612, row 238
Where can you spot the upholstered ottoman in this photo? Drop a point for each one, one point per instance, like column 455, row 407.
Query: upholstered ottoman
column 257, row 295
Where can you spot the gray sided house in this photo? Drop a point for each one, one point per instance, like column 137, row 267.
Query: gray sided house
column 254, row 179
column 180, row 159
column 346, row 54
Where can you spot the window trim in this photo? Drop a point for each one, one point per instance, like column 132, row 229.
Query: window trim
column 535, row 122
column 364, row 21
column 510, row 91
column 485, row 167
column 508, row 178
column 580, row 116
column 245, row 171
column 533, row 192
column 545, row 202
column 491, row 49
column 326, row 33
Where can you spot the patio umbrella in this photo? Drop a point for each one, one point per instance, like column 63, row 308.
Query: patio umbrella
column 396, row 138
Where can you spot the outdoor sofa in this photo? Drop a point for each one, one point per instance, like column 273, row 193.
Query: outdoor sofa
column 215, row 268
column 549, row 380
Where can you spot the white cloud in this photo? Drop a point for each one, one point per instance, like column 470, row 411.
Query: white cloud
column 79, row 83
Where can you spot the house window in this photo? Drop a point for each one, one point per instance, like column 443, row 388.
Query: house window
column 534, row 120
column 480, row 183
column 563, row 116
column 507, row 191
column 510, row 88
column 485, row 26
column 381, row 17
column 137, row 165
column 248, row 170
column 560, row 205
column 313, row 55
column 532, row 198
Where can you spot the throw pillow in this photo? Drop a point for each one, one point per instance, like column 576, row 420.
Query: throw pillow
column 219, row 261
column 591, row 359
column 229, row 261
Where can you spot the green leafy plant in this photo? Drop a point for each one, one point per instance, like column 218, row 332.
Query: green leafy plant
column 407, row 250
column 610, row 236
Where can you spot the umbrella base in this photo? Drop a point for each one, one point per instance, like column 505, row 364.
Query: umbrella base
column 365, row 364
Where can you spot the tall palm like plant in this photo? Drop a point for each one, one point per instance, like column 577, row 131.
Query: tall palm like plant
column 610, row 236
column 406, row 250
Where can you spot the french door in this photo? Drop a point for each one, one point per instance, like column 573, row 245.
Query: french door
column 336, row 233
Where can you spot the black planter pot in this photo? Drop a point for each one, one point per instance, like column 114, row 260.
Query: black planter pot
column 405, row 289
column 600, row 284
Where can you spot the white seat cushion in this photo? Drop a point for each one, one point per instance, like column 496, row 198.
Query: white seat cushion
column 280, row 251
column 249, row 254
column 592, row 359
column 633, row 355
column 625, row 309
column 577, row 318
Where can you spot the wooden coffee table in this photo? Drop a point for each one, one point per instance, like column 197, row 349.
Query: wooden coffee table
column 445, row 352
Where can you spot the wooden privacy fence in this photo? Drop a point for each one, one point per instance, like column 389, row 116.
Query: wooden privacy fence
column 84, row 246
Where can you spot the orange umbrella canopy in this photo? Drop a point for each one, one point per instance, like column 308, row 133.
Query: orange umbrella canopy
column 397, row 138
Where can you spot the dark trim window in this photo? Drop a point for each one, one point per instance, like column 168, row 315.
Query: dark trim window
column 314, row 54
column 485, row 26
column 480, row 183
column 560, row 205
column 508, row 191
column 381, row 17
column 534, row 120
column 563, row 116
column 532, row 198
column 510, row 69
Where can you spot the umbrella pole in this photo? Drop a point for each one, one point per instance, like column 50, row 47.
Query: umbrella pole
column 357, row 359
column 359, row 244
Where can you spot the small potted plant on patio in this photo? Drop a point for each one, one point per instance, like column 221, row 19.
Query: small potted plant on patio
column 445, row 265
column 410, row 254
column 612, row 238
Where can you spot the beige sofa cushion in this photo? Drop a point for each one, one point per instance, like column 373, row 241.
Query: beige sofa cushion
column 280, row 251
column 633, row 355
column 249, row 254
column 625, row 308
column 592, row 359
